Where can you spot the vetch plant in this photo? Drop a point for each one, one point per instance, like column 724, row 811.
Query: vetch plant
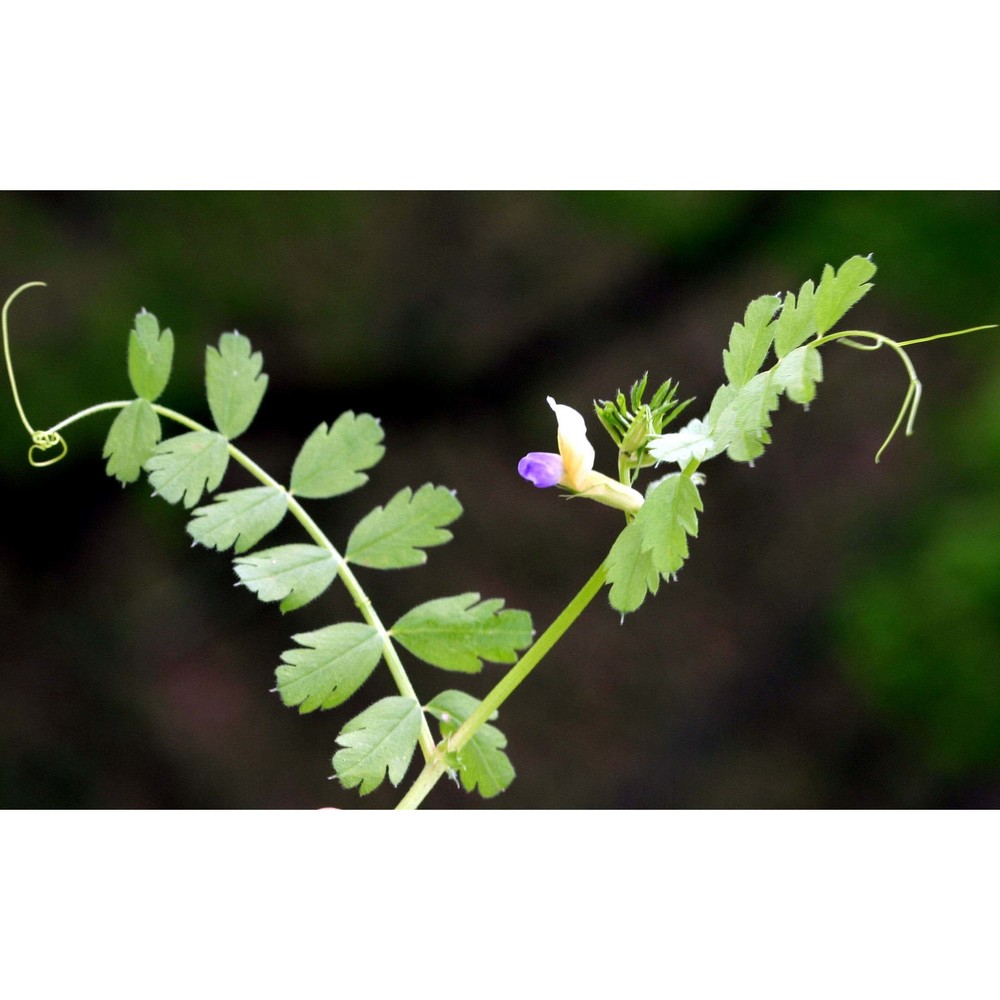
column 775, row 351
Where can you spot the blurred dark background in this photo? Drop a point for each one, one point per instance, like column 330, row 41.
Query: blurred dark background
column 833, row 642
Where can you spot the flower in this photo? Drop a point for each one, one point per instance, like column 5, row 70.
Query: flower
column 573, row 467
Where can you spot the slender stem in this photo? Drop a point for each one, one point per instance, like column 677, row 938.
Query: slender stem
column 367, row 609
column 438, row 764
column 941, row 336
column 513, row 678
column 344, row 571
column 429, row 776
column 118, row 404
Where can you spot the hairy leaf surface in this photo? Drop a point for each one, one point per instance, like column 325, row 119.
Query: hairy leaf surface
column 329, row 665
column 186, row 465
column 750, row 341
column 631, row 572
column 330, row 461
column 382, row 738
column 841, row 289
column 131, row 439
column 745, row 422
column 456, row 633
column 669, row 516
column 292, row 574
column 798, row 374
column 240, row 519
column 150, row 356
column 655, row 544
column 234, row 383
column 395, row 536
column 481, row 763
column 796, row 322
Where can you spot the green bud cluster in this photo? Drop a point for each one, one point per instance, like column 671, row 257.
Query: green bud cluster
column 632, row 423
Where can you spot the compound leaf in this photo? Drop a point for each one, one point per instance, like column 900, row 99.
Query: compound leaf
column 456, row 633
column 131, row 439
column 395, row 536
column 382, row 738
column 150, row 356
column 750, row 341
column 330, row 461
column 239, row 519
column 234, row 383
column 292, row 574
column 798, row 374
column 186, row 465
column 840, row 290
column 329, row 665
column 481, row 762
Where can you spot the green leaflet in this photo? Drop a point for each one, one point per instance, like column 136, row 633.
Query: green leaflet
column 394, row 536
column 840, row 290
column 799, row 372
column 630, row 571
column 738, row 419
column 481, row 762
column 796, row 322
column 131, row 439
column 150, row 356
column 381, row 738
column 239, row 519
column 741, row 427
column 655, row 544
column 750, row 341
column 330, row 461
column 335, row 662
column 188, row 464
column 234, row 383
column 292, row 574
column 456, row 633
column 668, row 516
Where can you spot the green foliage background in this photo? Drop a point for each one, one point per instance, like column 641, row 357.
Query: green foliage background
column 834, row 639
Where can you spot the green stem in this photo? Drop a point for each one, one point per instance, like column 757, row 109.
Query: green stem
column 344, row 571
column 363, row 602
column 118, row 404
column 952, row 333
column 438, row 764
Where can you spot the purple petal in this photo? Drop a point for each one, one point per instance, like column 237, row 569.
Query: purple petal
column 541, row 468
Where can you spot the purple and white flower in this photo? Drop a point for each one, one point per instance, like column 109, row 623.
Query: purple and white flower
column 573, row 467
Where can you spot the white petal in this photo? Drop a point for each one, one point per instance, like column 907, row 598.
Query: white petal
column 571, row 422
column 576, row 451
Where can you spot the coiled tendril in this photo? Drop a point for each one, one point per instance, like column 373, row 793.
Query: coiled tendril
column 41, row 441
